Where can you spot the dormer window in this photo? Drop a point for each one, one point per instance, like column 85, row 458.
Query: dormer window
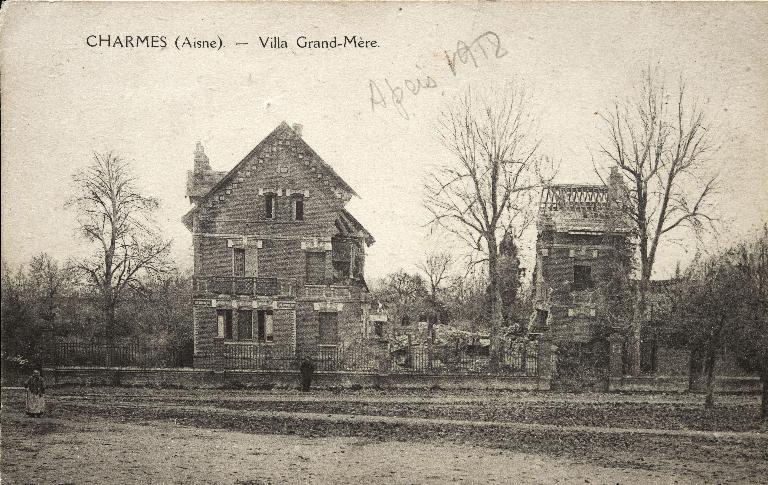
column 270, row 206
column 298, row 209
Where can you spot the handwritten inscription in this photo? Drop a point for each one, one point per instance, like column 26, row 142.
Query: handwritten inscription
column 396, row 94
column 488, row 44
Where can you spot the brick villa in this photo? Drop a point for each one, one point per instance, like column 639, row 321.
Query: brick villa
column 278, row 261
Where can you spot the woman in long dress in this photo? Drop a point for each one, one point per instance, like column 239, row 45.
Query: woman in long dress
column 35, row 394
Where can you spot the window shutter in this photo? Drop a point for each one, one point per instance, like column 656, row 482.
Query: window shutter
column 251, row 260
column 238, row 262
column 269, row 326
column 220, row 321
column 328, row 326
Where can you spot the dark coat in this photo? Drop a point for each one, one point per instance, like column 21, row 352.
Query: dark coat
column 35, row 385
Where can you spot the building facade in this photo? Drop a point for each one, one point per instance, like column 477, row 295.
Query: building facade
column 278, row 261
column 583, row 253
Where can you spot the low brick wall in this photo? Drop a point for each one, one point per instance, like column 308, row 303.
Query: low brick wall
column 203, row 378
column 739, row 384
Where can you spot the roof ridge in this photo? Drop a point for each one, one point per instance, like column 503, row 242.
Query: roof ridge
column 281, row 127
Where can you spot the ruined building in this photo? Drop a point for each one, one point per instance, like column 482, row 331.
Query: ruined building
column 278, row 261
column 582, row 259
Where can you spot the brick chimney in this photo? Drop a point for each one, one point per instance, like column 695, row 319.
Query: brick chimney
column 297, row 129
column 201, row 159
column 618, row 196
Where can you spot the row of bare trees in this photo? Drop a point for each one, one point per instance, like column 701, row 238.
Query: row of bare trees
column 486, row 191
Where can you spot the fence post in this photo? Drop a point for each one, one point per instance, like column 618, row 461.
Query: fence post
column 217, row 362
column 616, row 357
column 523, row 353
column 546, row 352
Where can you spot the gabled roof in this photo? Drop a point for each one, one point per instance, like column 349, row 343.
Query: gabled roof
column 283, row 127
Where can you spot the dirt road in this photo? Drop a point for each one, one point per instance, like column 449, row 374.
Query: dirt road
column 115, row 435
column 101, row 451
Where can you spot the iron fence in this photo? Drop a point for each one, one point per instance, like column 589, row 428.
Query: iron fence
column 517, row 362
column 359, row 359
column 65, row 354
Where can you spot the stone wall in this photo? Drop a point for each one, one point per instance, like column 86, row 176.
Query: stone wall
column 201, row 378
column 680, row 384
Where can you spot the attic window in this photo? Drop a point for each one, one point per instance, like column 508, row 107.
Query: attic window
column 298, row 209
column 270, row 206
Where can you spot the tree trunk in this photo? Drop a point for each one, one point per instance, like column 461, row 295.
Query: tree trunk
column 638, row 320
column 764, row 396
column 709, row 400
column 496, row 313
column 109, row 327
column 693, row 366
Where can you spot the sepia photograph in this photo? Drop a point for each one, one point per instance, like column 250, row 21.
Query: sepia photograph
column 286, row 242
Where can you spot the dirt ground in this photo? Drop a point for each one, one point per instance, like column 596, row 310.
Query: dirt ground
column 101, row 451
column 174, row 436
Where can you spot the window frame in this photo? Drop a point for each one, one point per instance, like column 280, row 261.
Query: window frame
column 322, row 278
column 240, row 313
column 270, row 206
column 242, row 266
column 224, row 326
column 324, row 342
column 580, row 284
column 264, row 329
column 295, row 209
column 378, row 329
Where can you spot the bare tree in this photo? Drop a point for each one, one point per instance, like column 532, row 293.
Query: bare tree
column 486, row 192
column 118, row 222
column 436, row 269
column 660, row 141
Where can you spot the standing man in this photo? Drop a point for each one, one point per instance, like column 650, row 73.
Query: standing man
column 307, row 368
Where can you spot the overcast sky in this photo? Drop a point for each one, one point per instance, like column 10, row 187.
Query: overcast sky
column 61, row 99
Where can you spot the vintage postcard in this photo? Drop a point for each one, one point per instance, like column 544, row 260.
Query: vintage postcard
column 384, row 242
